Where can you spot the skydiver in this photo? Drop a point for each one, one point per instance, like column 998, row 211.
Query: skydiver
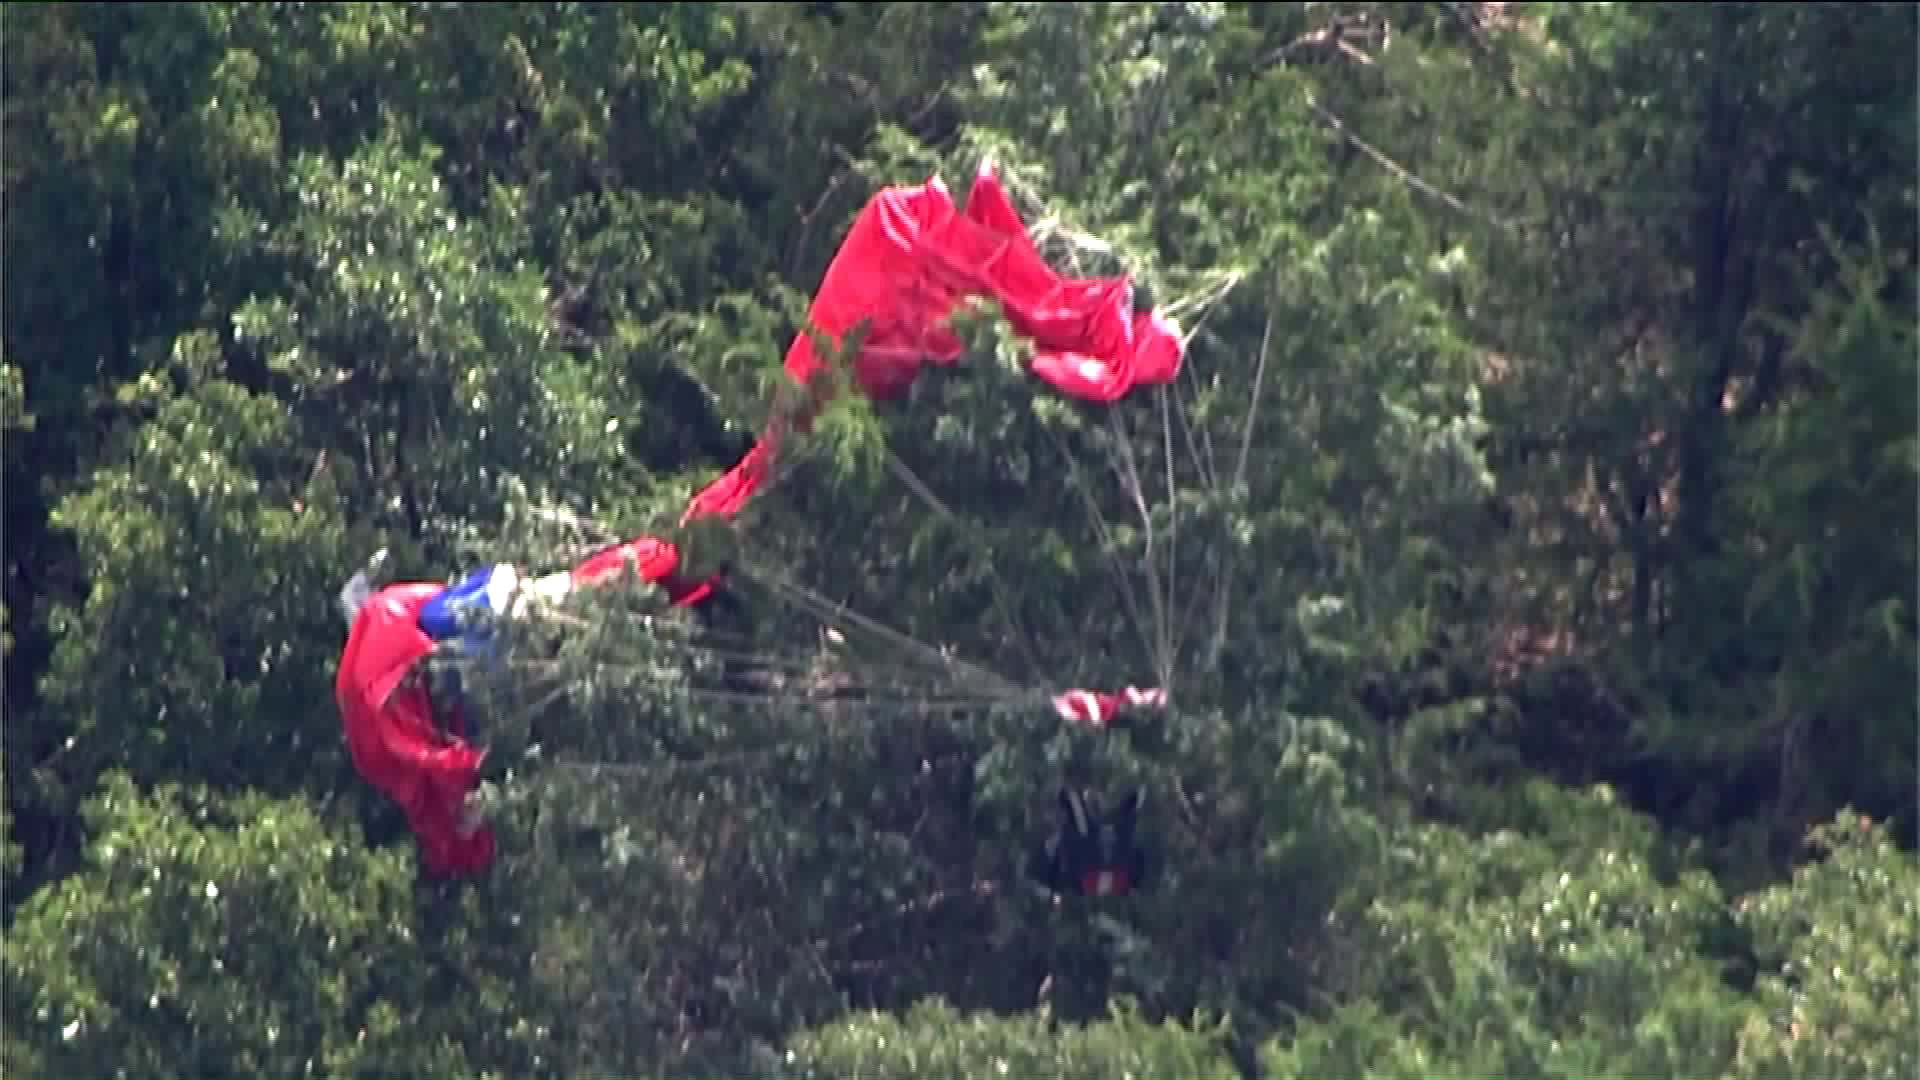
column 1092, row 853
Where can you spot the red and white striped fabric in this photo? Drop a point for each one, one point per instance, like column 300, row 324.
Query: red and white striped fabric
column 1098, row 709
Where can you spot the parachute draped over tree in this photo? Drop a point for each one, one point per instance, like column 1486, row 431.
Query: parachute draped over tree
column 417, row 747
column 910, row 261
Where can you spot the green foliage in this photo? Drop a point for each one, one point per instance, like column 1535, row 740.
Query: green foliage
column 1544, row 952
column 932, row 1039
column 13, row 400
column 1667, row 313
column 1830, row 610
column 1837, row 947
column 201, row 649
column 430, row 331
column 10, row 853
column 226, row 937
column 1500, row 542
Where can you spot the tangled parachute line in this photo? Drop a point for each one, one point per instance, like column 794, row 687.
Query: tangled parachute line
column 1150, row 479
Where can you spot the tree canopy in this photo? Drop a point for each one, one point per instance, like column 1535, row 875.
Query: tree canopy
column 1528, row 542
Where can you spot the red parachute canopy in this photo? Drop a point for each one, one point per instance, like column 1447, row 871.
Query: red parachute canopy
column 909, row 261
column 912, row 258
column 653, row 560
column 392, row 737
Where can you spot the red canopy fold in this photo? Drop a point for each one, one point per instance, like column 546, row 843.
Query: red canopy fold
column 908, row 262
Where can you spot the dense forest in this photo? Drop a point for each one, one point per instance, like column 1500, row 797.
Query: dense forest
column 1527, row 544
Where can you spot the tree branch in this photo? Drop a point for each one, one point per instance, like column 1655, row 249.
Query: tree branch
column 1401, row 172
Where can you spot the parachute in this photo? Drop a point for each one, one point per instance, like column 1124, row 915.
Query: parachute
column 909, row 262
column 415, row 745
column 392, row 734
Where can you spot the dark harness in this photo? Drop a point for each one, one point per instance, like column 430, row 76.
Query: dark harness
column 1093, row 854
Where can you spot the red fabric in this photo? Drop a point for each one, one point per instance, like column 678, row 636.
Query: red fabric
column 390, row 729
column 908, row 261
column 910, row 258
column 728, row 494
column 392, row 738
column 653, row 560
column 1099, row 708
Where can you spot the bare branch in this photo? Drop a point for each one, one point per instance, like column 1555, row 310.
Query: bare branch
column 1401, row 172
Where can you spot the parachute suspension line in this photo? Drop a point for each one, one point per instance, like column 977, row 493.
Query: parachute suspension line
column 1104, row 535
column 1236, row 494
column 1127, row 467
column 514, row 719
column 987, row 688
column 838, row 712
column 830, row 612
column 1235, row 498
column 972, row 688
column 1200, row 446
column 1197, row 597
column 1203, row 301
column 1011, row 614
column 898, row 702
column 1165, row 638
column 1174, row 634
column 875, row 715
column 664, row 628
column 1253, row 403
